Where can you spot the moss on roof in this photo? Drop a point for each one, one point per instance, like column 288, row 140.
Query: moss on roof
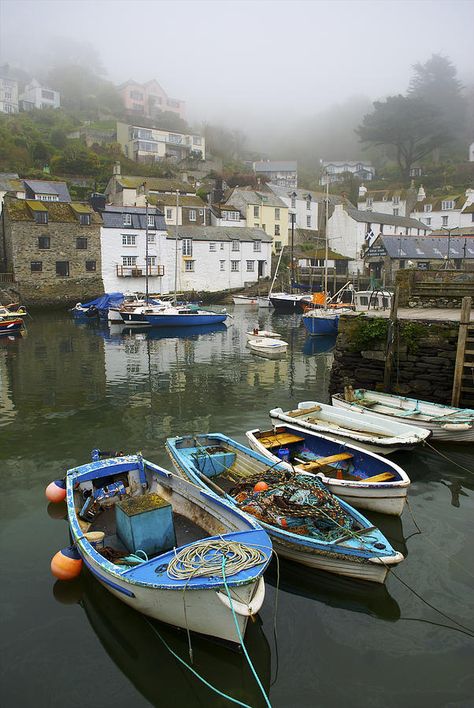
column 35, row 205
column 24, row 210
column 157, row 184
column 170, row 200
column 458, row 199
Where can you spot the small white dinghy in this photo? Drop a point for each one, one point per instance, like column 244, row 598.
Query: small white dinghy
column 263, row 333
column 445, row 422
column 244, row 300
column 266, row 346
column 166, row 544
column 359, row 477
column 369, row 431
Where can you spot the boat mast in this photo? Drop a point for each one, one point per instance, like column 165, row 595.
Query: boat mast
column 292, row 265
column 146, row 248
column 326, row 235
column 176, row 249
column 276, row 272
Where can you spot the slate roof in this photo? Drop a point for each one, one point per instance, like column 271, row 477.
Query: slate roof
column 154, row 184
column 58, row 189
column 222, row 233
column 458, row 199
column 374, row 217
column 170, row 200
column 113, row 218
column 275, row 166
column 425, row 247
column 241, row 198
column 24, row 209
column 10, row 182
column 318, row 197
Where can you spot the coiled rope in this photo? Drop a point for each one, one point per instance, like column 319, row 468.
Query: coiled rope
column 204, row 559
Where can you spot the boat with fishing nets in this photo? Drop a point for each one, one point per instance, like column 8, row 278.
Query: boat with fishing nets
column 168, row 549
column 369, row 431
column 361, row 478
column 445, row 422
column 306, row 523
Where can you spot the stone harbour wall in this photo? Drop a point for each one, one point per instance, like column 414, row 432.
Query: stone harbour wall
column 423, row 362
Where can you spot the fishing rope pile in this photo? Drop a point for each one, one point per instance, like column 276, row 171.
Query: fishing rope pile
column 204, row 559
column 299, row 503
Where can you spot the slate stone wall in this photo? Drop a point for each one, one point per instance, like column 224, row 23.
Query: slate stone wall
column 424, row 357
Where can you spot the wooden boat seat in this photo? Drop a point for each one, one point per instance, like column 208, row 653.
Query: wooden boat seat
column 365, row 402
column 279, row 439
column 384, row 477
column 303, row 411
column 323, row 461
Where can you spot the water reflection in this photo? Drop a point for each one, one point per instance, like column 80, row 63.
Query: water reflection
column 132, row 642
column 318, row 345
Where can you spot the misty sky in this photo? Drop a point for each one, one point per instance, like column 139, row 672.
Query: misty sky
column 237, row 60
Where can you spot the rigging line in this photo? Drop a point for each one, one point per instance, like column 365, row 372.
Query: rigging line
column 446, row 457
column 443, row 614
column 418, row 530
column 436, row 624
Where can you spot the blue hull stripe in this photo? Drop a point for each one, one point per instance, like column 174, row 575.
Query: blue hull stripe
column 106, row 581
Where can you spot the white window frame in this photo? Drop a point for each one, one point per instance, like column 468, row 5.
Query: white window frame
column 192, row 215
column 256, row 212
column 277, row 214
column 187, row 247
column 396, row 212
column 129, row 261
column 257, row 246
column 169, row 213
column 212, row 246
column 152, row 260
column 222, row 246
column 235, row 245
column 447, row 204
column 235, row 266
column 308, row 221
column 444, row 220
column 189, row 266
column 151, row 238
column 277, row 229
column 427, row 208
column 127, row 219
column 129, row 240
column 151, row 220
column 250, row 266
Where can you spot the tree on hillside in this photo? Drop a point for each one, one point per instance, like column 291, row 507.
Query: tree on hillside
column 85, row 94
column 413, row 127
column 168, row 120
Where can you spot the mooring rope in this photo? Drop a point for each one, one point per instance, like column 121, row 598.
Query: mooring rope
column 204, row 559
column 446, row 457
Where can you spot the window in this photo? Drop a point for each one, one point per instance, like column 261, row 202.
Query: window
column 236, row 245
column 90, row 266
column 428, row 207
column 277, row 215
column 189, row 266
column 447, row 204
column 396, row 200
column 444, row 220
column 222, row 246
column 256, row 212
column 395, row 212
column 369, row 201
column 151, row 238
column 222, row 265
column 169, row 213
column 402, row 264
column 250, row 266
column 428, row 221
column 44, row 242
column 41, row 217
column 81, row 243
column 85, row 219
column 187, row 247
column 308, row 222
column 277, row 245
column 129, row 240
column 293, row 201
column 129, row 260
column 127, row 219
column 308, row 203
column 231, row 215
column 62, row 269
column 192, row 215
column 212, row 246
column 257, row 246
column 151, row 220
column 234, row 266
column 136, row 95
column 277, row 229
column 36, row 266
column 151, row 260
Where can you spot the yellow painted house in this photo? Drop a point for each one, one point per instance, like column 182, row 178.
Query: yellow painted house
column 263, row 210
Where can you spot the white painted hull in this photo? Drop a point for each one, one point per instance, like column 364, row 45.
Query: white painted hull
column 244, row 300
column 267, row 346
column 439, row 431
column 264, row 302
column 263, row 333
column 203, row 611
column 382, row 497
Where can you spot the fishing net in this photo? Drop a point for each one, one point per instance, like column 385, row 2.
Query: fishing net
column 299, row 503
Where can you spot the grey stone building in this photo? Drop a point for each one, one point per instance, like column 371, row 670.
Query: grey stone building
column 52, row 250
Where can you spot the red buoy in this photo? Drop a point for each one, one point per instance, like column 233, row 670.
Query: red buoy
column 56, row 491
column 66, row 564
column 260, row 487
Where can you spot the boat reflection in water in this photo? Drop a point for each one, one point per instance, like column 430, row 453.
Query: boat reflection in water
column 166, row 332
column 133, row 642
column 319, row 345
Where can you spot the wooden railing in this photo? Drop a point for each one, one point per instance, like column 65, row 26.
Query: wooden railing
column 7, row 278
column 139, row 271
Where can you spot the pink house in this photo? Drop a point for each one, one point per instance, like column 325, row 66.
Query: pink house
column 149, row 99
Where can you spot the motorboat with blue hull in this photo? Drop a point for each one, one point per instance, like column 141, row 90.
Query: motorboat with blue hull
column 176, row 316
column 170, row 550
column 306, row 523
column 361, row 478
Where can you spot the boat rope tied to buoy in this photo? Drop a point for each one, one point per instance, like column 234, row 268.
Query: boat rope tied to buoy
column 56, row 491
column 204, row 559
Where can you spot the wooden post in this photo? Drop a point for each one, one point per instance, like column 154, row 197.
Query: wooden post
column 387, row 374
column 461, row 349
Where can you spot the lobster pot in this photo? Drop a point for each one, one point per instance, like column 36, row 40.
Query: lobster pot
column 146, row 523
column 214, row 461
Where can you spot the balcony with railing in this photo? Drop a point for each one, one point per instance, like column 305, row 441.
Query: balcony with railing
column 7, row 278
column 139, row 271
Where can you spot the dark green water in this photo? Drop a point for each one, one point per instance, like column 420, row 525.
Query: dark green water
column 67, row 388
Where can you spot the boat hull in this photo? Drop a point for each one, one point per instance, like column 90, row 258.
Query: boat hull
column 324, row 325
column 244, row 300
column 10, row 326
column 289, row 304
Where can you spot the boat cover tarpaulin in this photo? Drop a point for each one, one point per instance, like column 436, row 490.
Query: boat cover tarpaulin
column 105, row 301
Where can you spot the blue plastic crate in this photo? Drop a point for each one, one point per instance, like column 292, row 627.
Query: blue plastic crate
column 146, row 523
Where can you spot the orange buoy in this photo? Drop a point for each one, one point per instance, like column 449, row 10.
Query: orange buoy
column 260, row 487
column 56, row 491
column 66, row 564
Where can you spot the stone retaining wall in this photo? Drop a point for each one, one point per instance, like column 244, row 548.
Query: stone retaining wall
column 424, row 357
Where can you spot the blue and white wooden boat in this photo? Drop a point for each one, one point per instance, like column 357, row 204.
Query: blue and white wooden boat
column 320, row 322
column 177, row 316
column 445, row 422
column 147, row 512
column 346, row 544
column 361, row 478
column 368, row 431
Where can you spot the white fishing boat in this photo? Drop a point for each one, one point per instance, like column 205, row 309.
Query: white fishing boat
column 267, row 346
column 155, row 541
column 445, row 422
column 368, row 431
column 263, row 333
column 244, row 300
column 361, row 478
column 264, row 301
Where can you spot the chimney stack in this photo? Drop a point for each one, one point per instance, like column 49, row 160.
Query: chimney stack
column 117, row 170
column 421, row 194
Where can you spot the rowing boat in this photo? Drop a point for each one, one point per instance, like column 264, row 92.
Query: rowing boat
column 306, row 523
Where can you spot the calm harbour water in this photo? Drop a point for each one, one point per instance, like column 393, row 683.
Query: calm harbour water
column 66, row 388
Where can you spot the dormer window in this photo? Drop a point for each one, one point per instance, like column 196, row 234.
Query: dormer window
column 127, row 219
column 447, row 204
column 151, row 220
column 85, row 219
column 41, row 217
column 428, row 208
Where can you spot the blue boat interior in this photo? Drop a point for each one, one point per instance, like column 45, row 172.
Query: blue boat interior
column 139, row 530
